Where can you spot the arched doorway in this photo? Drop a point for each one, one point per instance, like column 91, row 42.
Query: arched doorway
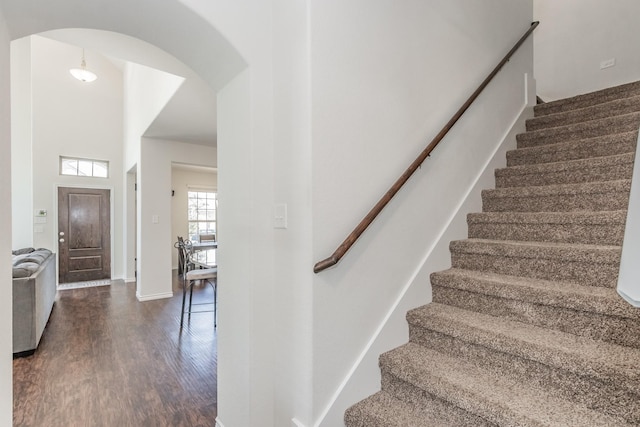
column 24, row 19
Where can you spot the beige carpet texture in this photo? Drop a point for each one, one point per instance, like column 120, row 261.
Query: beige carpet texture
column 526, row 328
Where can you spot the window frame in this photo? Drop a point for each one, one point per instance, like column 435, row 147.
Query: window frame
column 207, row 220
column 62, row 159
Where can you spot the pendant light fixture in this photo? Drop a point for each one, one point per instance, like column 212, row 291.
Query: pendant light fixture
column 82, row 73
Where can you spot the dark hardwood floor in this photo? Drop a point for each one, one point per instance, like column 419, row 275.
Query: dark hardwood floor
column 106, row 359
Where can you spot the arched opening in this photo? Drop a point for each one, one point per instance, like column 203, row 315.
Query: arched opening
column 198, row 45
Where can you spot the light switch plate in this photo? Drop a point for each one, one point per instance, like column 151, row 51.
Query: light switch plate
column 280, row 215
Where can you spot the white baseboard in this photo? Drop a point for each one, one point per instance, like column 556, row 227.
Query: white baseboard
column 633, row 301
column 294, row 423
column 130, row 280
column 154, row 296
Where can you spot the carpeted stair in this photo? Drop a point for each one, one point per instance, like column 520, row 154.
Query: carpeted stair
column 526, row 328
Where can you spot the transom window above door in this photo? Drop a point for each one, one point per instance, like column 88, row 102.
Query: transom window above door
column 84, row 167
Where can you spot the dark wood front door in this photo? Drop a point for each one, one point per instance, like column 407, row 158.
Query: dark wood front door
column 84, row 234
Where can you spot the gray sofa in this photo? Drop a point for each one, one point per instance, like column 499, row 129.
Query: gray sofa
column 34, row 291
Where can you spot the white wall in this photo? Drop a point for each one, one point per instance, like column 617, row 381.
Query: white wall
column 146, row 92
column 235, row 257
column 154, row 238
column 21, row 144
column 575, row 36
column 181, row 181
column 73, row 119
column 155, row 233
column 293, row 258
column 6, row 331
column 386, row 77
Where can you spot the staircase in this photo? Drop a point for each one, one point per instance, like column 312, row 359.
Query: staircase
column 526, row 328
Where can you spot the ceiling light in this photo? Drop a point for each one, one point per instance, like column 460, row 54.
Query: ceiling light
column 82, row 73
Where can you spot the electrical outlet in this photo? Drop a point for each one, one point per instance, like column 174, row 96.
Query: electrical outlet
column 607, row 63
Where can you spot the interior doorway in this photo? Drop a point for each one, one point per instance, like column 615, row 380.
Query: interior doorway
column 84, row 234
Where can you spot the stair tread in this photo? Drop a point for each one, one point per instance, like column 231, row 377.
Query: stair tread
column 586, row 99
column 592, row 299
column 568, row 165
column 570, row 150
column 577, row 217
column 601, row 110
column 555, row 189
column 575, row 251
column 580, row 263
column 561, row 350
column 382, row 409
column 592, row 128
column 502, row 400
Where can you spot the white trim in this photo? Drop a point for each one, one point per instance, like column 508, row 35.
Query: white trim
column 130, row 280
column 219, row 423
column 93, row 161
column 628, row 276
column 154, row 296
column 296, row 423
column 56, row 186
column 629, row 299
column 202, row 188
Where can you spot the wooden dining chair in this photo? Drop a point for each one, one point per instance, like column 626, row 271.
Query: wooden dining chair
column 193, row 275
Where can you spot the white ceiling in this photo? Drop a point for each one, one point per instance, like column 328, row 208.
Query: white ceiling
column 190, row 116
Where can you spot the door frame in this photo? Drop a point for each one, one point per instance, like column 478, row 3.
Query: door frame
column 56, row 186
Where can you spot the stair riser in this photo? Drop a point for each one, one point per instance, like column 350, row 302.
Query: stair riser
column 593, row 174
column 599, row 147
column 361, row 418
column 587, row 100
column 423, row 399
column 613, row 329
column 605, row 234
column 556, row 202
column 383, row 410
column 598, row 128
column 610, row 109
column 600, row 395
column 584, row 273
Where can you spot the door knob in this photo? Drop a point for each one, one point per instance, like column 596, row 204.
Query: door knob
column 62, row 233
column 61, row 240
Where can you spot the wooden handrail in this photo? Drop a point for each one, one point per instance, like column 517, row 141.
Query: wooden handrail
column 373, row 213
